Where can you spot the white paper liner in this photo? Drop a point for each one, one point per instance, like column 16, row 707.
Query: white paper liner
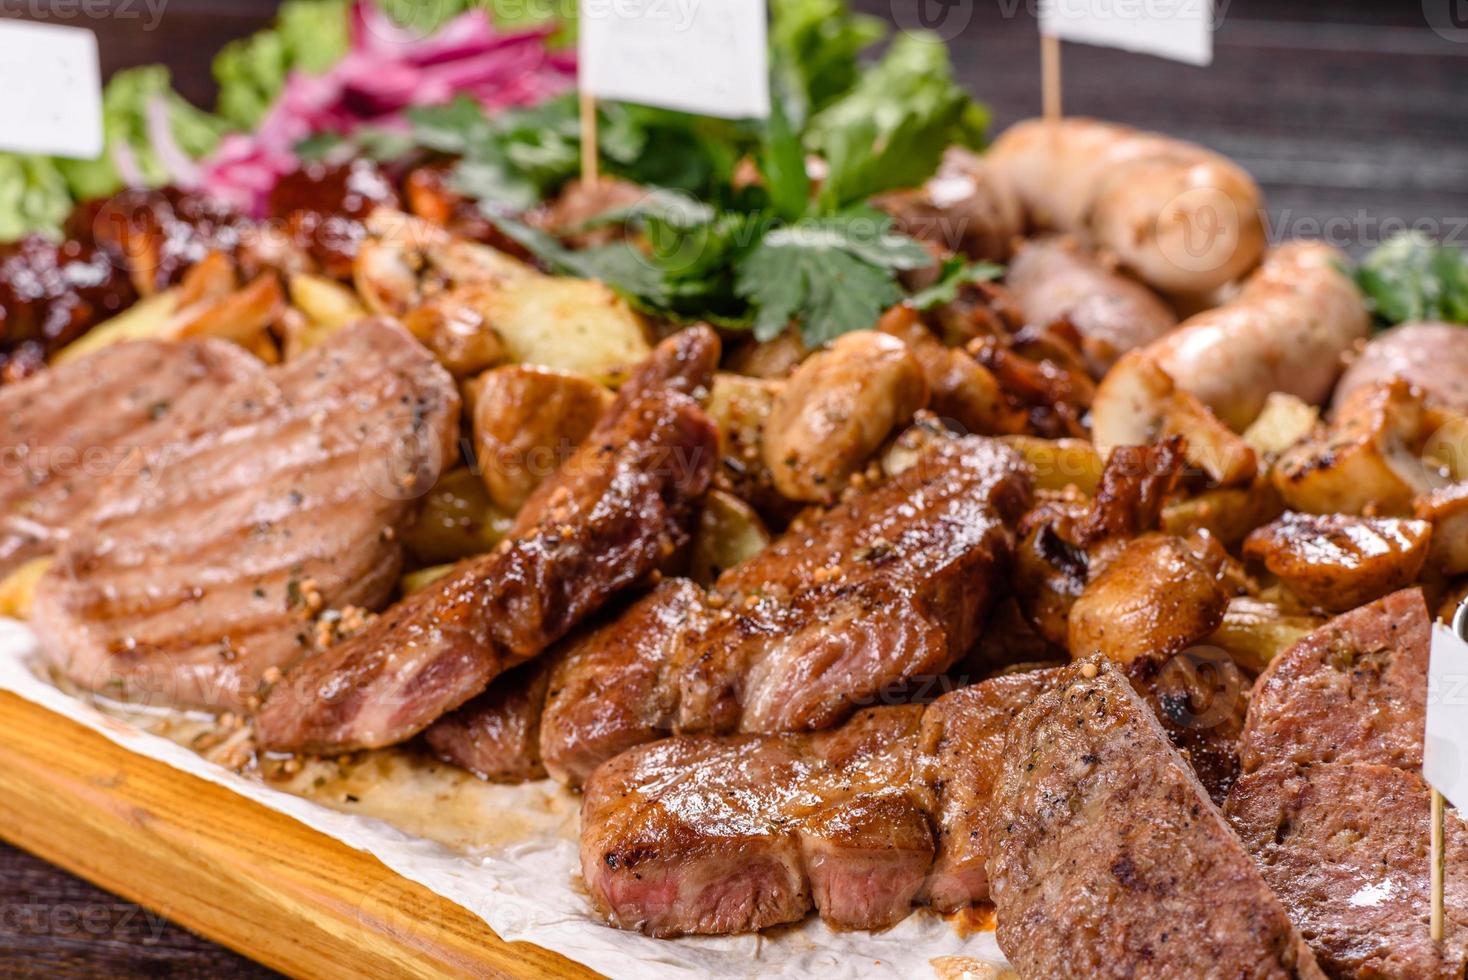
column 526, row 889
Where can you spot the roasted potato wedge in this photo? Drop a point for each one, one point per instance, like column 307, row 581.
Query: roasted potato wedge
column 423, row 578
column 327, row 304
column 1447, row 509
column 575, row 325
column 1283, row 421
column 454, row 327
column 1059, row 463
column 1255, row 631
column 1337, row 562
column 527, row 420
column 739, row 406
column 150, row 317
column 1365, row 461
column 457, row 521
column 729, row 531
column 405, row 260
column 1227, row 513
column 18, row 589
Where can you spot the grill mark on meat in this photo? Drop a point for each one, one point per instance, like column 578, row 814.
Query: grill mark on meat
column 128, row 399
column 174, row 594
column 620, row 505
column 1109, row 860
column 735, row 833
column 892, row 584
column 1333, row 805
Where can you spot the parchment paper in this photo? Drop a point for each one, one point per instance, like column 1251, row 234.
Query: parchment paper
column 525, row 884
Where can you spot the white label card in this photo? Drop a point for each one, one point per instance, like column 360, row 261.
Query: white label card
column 53, row 90
column 1445, row 759
column 1178, row 29
column 704, row 56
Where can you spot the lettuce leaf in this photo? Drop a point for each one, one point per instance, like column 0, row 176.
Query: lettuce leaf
column 33, row 196
column 309, row 35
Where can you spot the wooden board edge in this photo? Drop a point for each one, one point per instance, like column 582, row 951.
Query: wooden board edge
column 231, row 870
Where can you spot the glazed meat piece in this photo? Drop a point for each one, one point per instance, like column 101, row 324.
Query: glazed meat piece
column 963, row 739
column 612, row 690
column 496, row 736
column 50, row 294
column 158, row 234
column 892, row 584
column 728, row 834
column 323, row 207
column 1345, row 846
column 1337, row 562
column 614, row 511
column 1109, row 860
column 1055, row 279
column 1354, row 690
column 280, row 495
column 70, row 429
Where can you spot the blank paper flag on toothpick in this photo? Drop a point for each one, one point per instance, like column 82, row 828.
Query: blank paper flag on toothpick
column 704, row 56
column 53, row 90
column 1178, row 29
column 1445, row 761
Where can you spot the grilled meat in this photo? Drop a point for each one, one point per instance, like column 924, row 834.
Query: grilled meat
column 496, row 736
column 67, row 431
column 616, row 509
column 710, row 834
column 963, row 744
column 892, row 584
column 1108, row 858
column 280, row 495
column 1333, row 805
column 1344, row 846
column 1354, row 690
column 322, row 208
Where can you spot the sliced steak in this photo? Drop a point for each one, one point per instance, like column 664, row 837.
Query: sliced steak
column 617, row 508
column 68, row 430
column 1355, row 690
column 892, row 584
column 1345, row 847
column 496, row 736
column 728, row 834
column 612, row 691
column 963, row 738
column 1109, row 859
column 280, row 495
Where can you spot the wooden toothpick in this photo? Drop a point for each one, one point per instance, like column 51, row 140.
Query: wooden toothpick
column 1050, row 76
column 589, row 165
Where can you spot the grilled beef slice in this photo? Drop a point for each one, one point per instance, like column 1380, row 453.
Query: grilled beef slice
column 496, row 736
column 278, row 496
column 726, row 834
column 1108, row 858
column 892, row 584
column 621, row 504
column 1333, row 806
column 734, row 833
column 963, row 738
column 68, row 430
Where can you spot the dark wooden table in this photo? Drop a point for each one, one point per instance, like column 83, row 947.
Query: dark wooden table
column 1352, row 115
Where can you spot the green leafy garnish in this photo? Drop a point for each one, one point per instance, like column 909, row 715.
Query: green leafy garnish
column 308, row 35
column 956, row 274
column 1411, row 277
column 33, row 196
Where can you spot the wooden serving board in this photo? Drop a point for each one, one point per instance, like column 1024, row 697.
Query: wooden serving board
column 230, row 869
